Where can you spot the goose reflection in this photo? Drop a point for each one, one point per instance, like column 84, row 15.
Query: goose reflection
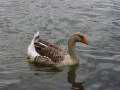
column 72, row 79
column 71, row 74
column 37, row 67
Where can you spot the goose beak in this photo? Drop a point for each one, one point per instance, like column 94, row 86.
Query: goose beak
column 84, row 40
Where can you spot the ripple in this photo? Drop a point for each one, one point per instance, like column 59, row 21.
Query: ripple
column 106, row 65
column 117, row 68
column 7, row 82
column 57, row 20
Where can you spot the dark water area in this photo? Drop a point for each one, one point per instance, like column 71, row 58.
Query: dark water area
column 56, row 20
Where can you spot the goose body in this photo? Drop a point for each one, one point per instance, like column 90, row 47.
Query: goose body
column 48, row 54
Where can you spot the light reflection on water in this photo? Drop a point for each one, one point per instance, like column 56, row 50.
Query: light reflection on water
column 56, row 20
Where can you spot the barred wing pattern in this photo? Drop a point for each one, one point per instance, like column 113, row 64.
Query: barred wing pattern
column 49, row 53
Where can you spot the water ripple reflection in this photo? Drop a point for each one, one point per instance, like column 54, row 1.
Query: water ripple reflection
column 56, row 20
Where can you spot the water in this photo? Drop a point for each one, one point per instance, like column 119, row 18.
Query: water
column 56, row 20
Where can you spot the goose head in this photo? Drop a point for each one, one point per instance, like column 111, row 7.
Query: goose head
column 77, row 37
column 80, row 38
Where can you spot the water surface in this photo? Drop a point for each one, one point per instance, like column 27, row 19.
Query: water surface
column 56, row 20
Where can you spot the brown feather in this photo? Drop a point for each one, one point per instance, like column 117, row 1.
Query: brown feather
column 49, row 44
column 54, row 53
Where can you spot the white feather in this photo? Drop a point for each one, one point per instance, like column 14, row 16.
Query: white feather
column 43, row 44
column 31, row 49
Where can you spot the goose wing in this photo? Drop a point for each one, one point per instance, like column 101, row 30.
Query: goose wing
column 43, row 60
column 51, row 51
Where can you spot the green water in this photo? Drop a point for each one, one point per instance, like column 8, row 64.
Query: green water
column 56, row 20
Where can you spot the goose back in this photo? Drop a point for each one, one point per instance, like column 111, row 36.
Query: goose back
column 51, row 51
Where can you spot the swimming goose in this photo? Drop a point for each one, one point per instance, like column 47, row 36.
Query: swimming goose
column 48, row 54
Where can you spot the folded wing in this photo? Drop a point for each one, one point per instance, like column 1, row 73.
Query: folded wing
column 51, row 51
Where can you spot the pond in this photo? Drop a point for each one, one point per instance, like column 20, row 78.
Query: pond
column 56, row 20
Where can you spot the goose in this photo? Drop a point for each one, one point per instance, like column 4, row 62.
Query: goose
column 45, row 53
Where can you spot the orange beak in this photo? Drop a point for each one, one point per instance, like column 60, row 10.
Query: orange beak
column 85, row 41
